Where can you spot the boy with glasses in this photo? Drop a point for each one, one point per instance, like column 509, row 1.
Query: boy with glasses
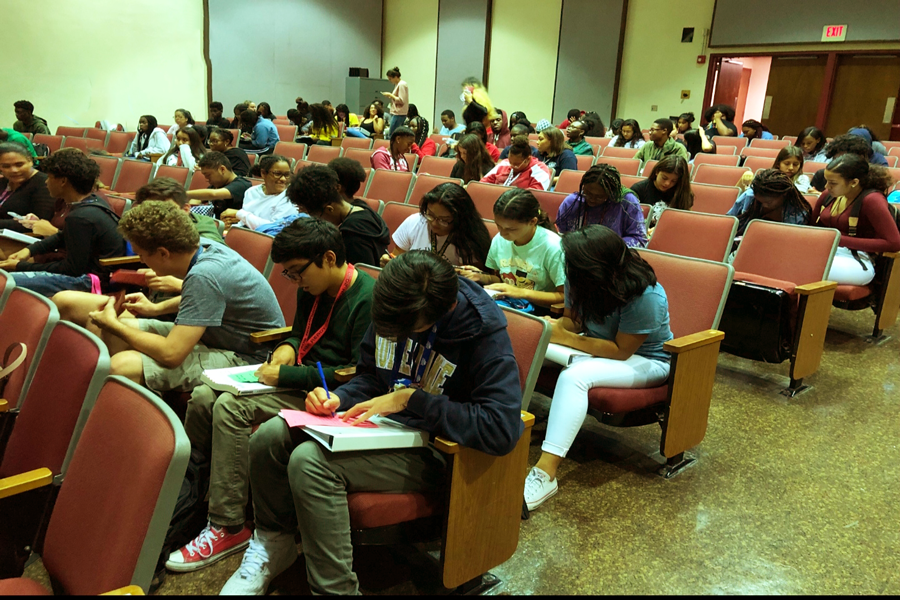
column 334, row 304
column 661, row 144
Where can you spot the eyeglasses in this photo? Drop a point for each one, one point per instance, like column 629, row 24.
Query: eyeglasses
column 297, row 276
column 655, row 129
column 279, row 175
column 439, row 220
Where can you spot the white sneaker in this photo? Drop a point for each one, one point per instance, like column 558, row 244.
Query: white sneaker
column 267, row 556
column 538, row 488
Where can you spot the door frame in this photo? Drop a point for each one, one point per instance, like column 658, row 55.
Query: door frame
column 831, row 65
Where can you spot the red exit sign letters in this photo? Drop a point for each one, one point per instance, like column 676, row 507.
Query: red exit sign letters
column 834, row 33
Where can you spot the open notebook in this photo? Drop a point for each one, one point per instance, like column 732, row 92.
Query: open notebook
column 239, row 381
column 377, row 434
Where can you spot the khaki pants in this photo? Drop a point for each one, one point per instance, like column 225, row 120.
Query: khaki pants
column 220, row 428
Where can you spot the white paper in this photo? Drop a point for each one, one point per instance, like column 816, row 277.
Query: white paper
column 389, row 434
column 19, row 237
column 219, row 380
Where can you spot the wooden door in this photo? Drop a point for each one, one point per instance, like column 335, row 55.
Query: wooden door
column 728, row 83
column 742, row 97
column 795, row 84
column 862, row 86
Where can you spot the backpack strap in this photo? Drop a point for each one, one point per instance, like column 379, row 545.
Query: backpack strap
column 855, row 209
column 6, row 367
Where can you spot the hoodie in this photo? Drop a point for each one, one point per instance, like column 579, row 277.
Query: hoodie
column 501, row 138
column 470, row 390
column 366, row 237
column 536, row 176
column 877, row 158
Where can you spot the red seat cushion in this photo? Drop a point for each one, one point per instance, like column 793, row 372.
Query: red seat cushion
column 623, row 400
column 22, row 586
column 787, row 286
column 371, row 509
column 849, row 293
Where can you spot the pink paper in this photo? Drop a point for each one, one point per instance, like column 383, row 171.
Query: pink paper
column 299, row 418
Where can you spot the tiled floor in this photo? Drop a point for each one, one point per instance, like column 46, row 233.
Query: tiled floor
column 787, row 496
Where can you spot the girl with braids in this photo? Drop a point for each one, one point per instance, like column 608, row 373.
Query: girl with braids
column 754, row 130
column 854, row 205
column 447, row 224
column 472, row 159
column 772, row 197
column 392, row 157
column 669, row 186
column 602, row 199
column 150, row 139
column 265, row 203
column 617, row 312
column 525, row 260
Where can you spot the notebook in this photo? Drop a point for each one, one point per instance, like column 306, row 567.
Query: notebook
column 19, row 237
column 377, row 434
column 239, row 381
column 563, row 355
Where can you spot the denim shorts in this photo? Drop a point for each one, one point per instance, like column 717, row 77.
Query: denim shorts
column 48, row 284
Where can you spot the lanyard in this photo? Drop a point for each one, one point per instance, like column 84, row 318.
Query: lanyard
column 434, row 249
column 307, row 342
column 194, row 259
column 415, row 376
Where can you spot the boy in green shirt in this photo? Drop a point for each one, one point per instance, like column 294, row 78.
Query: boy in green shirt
column 11, row 135
column 575, row 133
column 661, row 145
column 334, row 305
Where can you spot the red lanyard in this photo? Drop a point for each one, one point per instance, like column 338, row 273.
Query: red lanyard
column 308, row 342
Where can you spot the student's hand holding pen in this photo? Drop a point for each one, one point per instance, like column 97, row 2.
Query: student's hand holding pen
column 319, row 403
column 268, row 372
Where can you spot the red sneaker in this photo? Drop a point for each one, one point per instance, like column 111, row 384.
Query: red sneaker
column 211, row 545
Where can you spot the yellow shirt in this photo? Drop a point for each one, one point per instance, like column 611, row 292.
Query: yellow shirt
column 325, row 135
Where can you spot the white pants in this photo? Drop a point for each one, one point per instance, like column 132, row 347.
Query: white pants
column 846, row 270
column 570, row 399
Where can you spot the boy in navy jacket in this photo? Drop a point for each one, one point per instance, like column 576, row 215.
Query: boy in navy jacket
column 454, row 375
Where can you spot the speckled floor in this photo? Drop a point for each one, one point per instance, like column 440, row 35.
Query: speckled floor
column 788, row 496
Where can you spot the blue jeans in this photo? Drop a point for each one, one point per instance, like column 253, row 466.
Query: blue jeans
column 47, row 284
column 397, row 121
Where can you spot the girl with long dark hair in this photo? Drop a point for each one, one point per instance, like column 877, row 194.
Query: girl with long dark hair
column 186, row 151
column 669, row 186
column 772, row 197
column 618, row 314
column 812, row 142
column 150, row 139
column 472, row 159
column 630, row 135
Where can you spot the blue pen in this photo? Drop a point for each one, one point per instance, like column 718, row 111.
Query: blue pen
column 324, row 385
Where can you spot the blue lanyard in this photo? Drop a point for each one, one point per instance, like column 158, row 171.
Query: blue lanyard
column 416, row 376
column 194, row 259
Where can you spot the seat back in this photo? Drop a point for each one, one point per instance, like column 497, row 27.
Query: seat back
column 98, row 134
column 529, row 336
column 131, row 176
column 412, row 159
column 598, row 141
column 715, row 159
column 760, row 152
column 434, row 165
column 485, row 195
column 696, row 290
column 625, row 166
column 302, row 164
column 619, row 152
column 381, row 143
column 810, row 166
column 360, row 155
column 286, row 133
column 714, row 199
column 796, row 253
column 773, row 144
column 790, row 138
column 729, row 140
column 324, row 154
column 369, row 269
column 119, row 204
column 7, row 285
column 645, row 210
column 390, row 186
column 694, row 234
column 756, row 163
column 110, row 519
column 27, row 318
column 377, row 206
column 492, row 228
column 291, row 150
column 118, row 141
column 254, row 246
column 52, row 415
column 82, row 143
column 726, row 150
column 719, row 175
column 108, row 167
column 53, row 142
column 285, row 293
column 569, row 181
column 355, row 142
column 71, row 131
column 550, row 202
column 584, row 162
column 648, row 168
column 179, row 174
column 424, row 183
column 394, row 214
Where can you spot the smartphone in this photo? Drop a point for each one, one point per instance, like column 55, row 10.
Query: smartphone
column 15, row 215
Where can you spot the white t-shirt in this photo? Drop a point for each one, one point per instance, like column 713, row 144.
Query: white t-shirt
column 260, row 209
column 413, row 235
column 538, row 265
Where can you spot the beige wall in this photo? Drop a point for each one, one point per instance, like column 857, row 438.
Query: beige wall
column 410, row 42
column 116, row 61
column 522, row 71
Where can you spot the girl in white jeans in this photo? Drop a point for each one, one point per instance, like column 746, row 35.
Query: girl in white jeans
column 617, row 312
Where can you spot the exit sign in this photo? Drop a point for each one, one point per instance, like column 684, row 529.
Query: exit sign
column 834, row 33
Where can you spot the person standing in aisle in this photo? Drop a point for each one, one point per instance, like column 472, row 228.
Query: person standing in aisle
column 399, row 98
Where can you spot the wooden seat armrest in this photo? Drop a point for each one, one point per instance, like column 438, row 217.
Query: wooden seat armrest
column 557, row 309
column 345, row 375
column 818, row 287
column 694, row 340
column 128, row 590
column 270, row 335
column 4, row 405
column 23, row 482
column 891, row 254
column 120, row 260
column 447, row 447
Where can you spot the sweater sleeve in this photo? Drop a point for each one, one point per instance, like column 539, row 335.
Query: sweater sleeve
column 887, row 236
column 380, row 160
column 633, row 231
column 187, row 159
column 493, row 175
column 77, row 237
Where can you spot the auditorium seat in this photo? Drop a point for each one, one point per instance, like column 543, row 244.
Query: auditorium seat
column 82, row 143
column 131, row 176
column 119, row 204
column 433, row 165
column 810, row 167
column 696, row 290
column 198, row 181
column 484, row 195
column 628, row 181
column 109, row 522
column 895, row 174
column 715, row 159
column 616, row 152
column 645, row 210
column 693, row 234
column 625, row 166
column 550, row 202
column 363, row 157
column 798, row 334
column 895, row 151
column 71, row 131
column 424, row 183
column 714, row 199
column 291, row 150
column 718, row 175
column 27, row 318
column 323, row 154
column 790, row 138
column 393, row 215
column 493, row 230
column 376, row 205
column 882, row 295
column 729, row 140
column 774, row 144
column 285, row 293
column 412, row 159
column 756, row 163
column 302, row 164
column 108, row 167
column 118, row 141
column 355, row 142
column 892, row 161
column 381, row 143
column 253, row 246
column 53, row 142
column 648, row 168
column 390, row 186
column 726, row 150
column 98, row 134
column 569, row 181
column 7, row 285
column 286, row 133
column 179, row 174
column 758, row 151
column 584, row 162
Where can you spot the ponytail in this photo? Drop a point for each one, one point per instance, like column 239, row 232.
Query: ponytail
column 521, row 205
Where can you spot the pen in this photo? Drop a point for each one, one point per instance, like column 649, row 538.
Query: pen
column 269, row 357
column 324, row 385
